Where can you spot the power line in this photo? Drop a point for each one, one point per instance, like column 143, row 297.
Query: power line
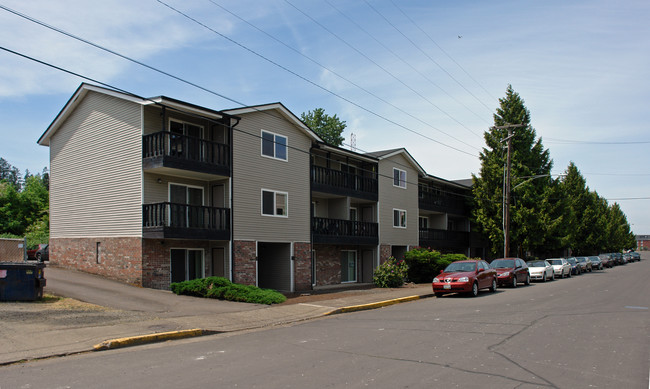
column 441, row 49
column 401, row 59
column 427, row 55
column 583, row 142
column 346, row 79
column 213, row 92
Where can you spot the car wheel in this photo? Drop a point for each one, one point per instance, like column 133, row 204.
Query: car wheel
column 527, row 279
column 493, row 288
column 438, row 294
column 474, row 291
column 544, row 277
column 514, row 281
column 552, row 276
column 569, row 275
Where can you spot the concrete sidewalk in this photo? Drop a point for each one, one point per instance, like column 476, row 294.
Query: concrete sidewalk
column 107, row 310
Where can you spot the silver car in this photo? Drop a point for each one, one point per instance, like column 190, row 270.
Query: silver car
column 561, row 267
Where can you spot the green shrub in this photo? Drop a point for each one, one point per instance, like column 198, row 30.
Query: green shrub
column 390, row 274
column 424, row 264
column 222, row 289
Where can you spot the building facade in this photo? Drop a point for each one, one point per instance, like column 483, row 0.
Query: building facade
column 155, row 191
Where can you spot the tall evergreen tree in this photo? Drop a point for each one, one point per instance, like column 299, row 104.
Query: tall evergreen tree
column 329, row 128
column 530, row 171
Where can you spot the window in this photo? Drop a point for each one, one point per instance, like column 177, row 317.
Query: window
column 424, row 222
column 399, row 178
column 186, row 264
column 399, row 218
column 274, row 203
column 274, row 146
column 349, row 266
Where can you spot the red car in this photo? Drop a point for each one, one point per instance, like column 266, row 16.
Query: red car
column 465, row 277
column 511, row 271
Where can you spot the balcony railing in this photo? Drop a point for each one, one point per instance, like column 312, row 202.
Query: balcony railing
column 442, row 202
column 339, row 231
column 343, row 183
column 169, row 220
column 430, row 237
column 185, row 152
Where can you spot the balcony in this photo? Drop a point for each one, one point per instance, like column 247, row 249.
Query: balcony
column 337, row 231
column 182, row 221
column 336, row 182
column 444, row 239
column 446, row 203
column 167, row 150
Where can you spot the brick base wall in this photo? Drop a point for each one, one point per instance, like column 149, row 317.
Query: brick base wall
column 119, row 258
column 244, row 262
column 384, row 253
column 156, row 260
column 328, row 264
column 302, row 266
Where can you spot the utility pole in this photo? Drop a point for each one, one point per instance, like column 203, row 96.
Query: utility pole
column 506, row 191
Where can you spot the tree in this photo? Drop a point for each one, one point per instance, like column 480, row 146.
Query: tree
column 530, row 171
column 329, row 128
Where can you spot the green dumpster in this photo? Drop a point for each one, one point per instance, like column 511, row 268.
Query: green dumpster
column 21, row 281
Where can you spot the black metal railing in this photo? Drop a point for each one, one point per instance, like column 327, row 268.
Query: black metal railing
column 167, row 144
column 455, row 204
column 185, row 216
column 343, row 181
column 343, row 228
column 443, row 238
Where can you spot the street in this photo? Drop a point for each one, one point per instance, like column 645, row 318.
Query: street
column 586, row 331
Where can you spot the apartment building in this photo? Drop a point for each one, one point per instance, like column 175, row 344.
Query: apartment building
column 155, row 191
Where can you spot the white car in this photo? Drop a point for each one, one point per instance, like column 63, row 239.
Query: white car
column 561, row 267
column 540, row 270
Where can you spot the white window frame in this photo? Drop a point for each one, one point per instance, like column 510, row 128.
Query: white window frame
column 401, row 211
column 275, row 207
column 275, row 145
column 401, row 181
column 356, row 266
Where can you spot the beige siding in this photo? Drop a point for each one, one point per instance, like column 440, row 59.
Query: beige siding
column 96, row 164
column 252, row 172
column 392, row 197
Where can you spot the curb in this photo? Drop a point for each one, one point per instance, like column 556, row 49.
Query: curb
column 151, row 338
column 364, row 307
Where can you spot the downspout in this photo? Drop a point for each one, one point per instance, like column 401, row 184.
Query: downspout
column 232, row 210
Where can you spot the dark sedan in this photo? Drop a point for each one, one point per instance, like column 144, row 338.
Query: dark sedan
column 465, row 277
column 575, row 266
column 511, row 271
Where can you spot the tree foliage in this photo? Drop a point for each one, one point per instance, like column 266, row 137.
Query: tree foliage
column 329, row 128
column 547, row 216
column 24, row 204
column 529, row 159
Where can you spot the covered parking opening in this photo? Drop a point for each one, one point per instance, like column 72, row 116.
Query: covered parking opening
column 274, row 266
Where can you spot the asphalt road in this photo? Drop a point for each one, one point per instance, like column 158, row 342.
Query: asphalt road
column 590, row 331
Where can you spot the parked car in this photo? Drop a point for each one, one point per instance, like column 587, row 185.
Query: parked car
column 607, row 260
column 596, row 263
column 561, row 267
column 465, row 277
column 636, row 256
column 575, row 266
column 40, row 253
column 585, row 264
column 618, row 258
column 628, row 257
column 511, row 271
column 540, row 269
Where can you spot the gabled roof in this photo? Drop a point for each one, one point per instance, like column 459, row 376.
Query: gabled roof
column 280, row 108
column 383, row 154
column 84, row 88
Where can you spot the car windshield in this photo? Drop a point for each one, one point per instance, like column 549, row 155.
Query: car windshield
column 554, row 261
column 460, row 266
column 572, row 261
column 536, row 264
column 503, row 264
column 582, row 260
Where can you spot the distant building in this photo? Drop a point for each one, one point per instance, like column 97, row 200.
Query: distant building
column 642, row 242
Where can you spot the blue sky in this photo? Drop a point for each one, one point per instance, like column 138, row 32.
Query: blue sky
column 424, row 75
